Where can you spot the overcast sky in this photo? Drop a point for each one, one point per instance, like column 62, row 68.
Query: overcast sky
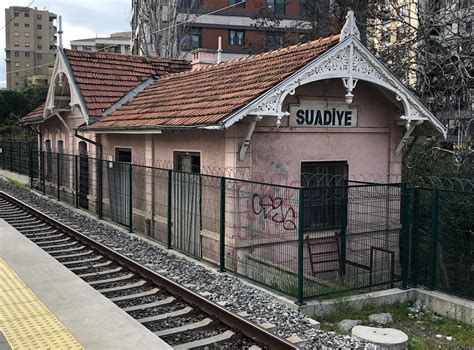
column 81, row 19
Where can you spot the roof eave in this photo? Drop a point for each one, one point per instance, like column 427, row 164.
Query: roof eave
column 150, row 128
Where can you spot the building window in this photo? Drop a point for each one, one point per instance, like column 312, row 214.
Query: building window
column 16, row 14
column 274, row 41
column 123, row 155
column 17, row 54
column 27, row 44
column 191, row 40
column 39, row 16
column 240, row 3
column 39, row 47
column 277, row 6
column 73, row 47
column 188, row 162
column 88, row 48
column 51, row 47
column 27, row 65
column 39, row 26
column 189, row 5
column 236, row 37
column 17, row 34
column 39, row 37
column 39, row 56
column 27, row 54
column 27, row 14
column 400, row 33
column 27, row 25
column 385, row 37
column 17, row 44
column 16, row 24
column 17, row 64
column 324, row 194
column 27, row 34
column 403, row 11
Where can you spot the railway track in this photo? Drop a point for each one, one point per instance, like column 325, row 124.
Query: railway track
column 179, row 316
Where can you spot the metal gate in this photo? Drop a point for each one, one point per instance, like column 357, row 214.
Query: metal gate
column 119, row 191
column 186, row 212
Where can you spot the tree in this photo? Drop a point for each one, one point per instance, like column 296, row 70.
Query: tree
column 15, row 104
column 162, row 27
column 327, row 17
column 428, row 46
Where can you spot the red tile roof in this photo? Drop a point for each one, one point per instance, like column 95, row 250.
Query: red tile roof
column 207, row 95
column 104, row 77
column 34, row 116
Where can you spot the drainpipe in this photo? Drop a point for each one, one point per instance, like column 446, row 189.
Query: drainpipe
column 98, row 171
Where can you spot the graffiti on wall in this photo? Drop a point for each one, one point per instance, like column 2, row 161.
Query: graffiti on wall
column 273, row 209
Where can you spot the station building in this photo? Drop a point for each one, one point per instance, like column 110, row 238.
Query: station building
column 305, row 115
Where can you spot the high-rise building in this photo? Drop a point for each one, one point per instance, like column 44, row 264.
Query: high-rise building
column 116, row 42
column 30, row 45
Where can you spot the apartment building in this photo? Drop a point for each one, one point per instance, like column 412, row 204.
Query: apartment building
column 241, row 32
column 117, row 42
column 30, row 46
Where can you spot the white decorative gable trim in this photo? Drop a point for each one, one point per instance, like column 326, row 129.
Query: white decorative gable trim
column 350, row 61
column 63, row 71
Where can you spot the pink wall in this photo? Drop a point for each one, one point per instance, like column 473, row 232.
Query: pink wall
column 368, row 148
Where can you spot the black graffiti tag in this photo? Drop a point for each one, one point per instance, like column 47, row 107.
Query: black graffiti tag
column 273, row 209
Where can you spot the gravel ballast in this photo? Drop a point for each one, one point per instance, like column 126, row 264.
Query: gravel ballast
column 223, row 287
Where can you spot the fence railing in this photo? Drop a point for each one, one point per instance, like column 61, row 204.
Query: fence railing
column 304, row 242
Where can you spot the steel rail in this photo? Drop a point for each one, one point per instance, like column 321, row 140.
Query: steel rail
column 227, row 317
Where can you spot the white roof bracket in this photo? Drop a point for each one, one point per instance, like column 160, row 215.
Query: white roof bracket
column 405, row 137
column 248, row 138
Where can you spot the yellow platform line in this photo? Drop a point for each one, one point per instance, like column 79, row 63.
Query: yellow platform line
column 25, row 321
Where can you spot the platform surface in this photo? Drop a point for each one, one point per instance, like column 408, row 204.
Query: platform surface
column 66, row 305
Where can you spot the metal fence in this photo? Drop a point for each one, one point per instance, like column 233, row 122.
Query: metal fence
column 442, row 246
column 305, row 242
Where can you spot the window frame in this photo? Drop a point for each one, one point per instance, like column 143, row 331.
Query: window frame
column 236, row 35
column 325, row 204
column 275, row 5
column 233, row 2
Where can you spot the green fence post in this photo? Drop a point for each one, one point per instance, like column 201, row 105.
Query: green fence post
column 300, row 282
column 100, row 211
column 222, row 228
column 415, row 238
column 76, row 179
column 58, row 177
column 170, row 186
column 3, row 155
column 11, row 156
column 404, row 239
column 30, row 164
column 343, row 234
column 19, row 158
column 43, row 175
column 130, row 198
column 434, row 239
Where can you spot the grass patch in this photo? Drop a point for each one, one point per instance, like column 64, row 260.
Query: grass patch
column 16, row 183
column 421, row 327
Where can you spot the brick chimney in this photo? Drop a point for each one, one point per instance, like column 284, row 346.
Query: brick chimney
column 203, row 58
